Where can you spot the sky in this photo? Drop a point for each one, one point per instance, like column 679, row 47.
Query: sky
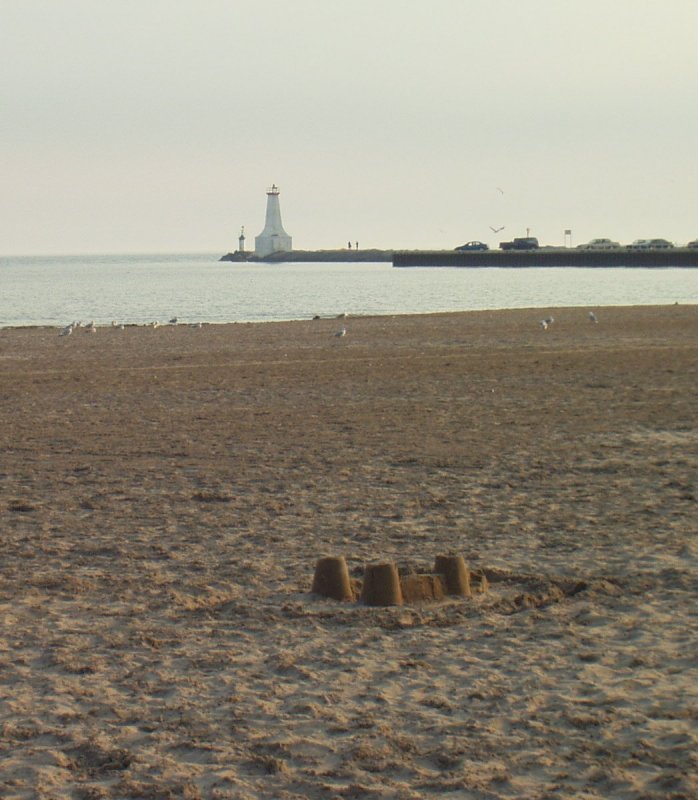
column 157, row 125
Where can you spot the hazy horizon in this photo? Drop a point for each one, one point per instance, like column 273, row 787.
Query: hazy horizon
column 154, row 127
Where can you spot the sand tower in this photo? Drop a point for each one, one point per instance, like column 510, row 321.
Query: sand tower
column 273, row 239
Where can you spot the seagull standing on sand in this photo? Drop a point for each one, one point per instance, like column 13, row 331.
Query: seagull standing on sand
column 544, row 324
column 341, row 332
column 592, row 317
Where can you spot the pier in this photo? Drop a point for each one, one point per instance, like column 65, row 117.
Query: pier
column 365, row 256
column 542, row 257
column 548, row 257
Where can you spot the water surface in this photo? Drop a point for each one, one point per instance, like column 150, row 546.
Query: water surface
column 54, row 290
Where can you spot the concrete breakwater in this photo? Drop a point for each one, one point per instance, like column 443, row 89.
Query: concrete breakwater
column 542, row 257
column 548, row 257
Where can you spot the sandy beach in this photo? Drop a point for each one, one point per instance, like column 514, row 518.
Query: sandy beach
column 165, row 495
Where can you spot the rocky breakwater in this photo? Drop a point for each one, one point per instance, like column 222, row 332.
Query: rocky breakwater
column 370, row 255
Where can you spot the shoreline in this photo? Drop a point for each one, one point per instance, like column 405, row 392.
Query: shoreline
column 317, row 318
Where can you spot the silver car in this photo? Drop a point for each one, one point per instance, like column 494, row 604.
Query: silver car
column 599, row 244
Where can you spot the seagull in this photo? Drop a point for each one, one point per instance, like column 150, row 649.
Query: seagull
column 197, row 325
column 592, row 317
column 92, row 328
column 173, row 321
column 343, row 315
column 66, row 331
column 549, row 320
column 155, row 324
column 544, row 324
column 497, row 230
column 341, row 332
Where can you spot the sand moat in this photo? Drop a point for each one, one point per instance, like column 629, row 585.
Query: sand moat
column 165, row 495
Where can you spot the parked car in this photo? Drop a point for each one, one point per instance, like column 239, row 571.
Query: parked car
column 599, row 244
column 475, row 245
column 693, row 245
column 521, row 243
column 650, row 244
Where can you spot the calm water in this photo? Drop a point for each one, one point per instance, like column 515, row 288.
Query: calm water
column 55, row 290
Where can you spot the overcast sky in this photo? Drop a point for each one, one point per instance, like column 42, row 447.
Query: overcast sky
column 157, row 125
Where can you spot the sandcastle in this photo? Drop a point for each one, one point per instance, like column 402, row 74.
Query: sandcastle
column 385, row 585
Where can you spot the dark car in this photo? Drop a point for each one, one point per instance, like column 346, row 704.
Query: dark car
column 521, row 243
column 473, row 246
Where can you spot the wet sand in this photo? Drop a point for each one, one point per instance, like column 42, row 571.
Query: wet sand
column 165, row 494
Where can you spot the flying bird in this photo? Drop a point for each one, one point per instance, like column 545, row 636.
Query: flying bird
column 496, row 230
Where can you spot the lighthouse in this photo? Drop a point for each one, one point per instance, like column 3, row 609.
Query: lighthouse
column 273, row 239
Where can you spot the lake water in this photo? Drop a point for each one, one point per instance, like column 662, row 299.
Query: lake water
column 137, row 289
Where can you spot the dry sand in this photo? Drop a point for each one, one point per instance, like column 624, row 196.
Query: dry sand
column 164, row 496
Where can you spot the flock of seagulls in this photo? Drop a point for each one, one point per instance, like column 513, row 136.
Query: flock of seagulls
column 91, row 327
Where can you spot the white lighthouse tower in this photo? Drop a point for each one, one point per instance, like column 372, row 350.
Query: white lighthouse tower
column 273, row 239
